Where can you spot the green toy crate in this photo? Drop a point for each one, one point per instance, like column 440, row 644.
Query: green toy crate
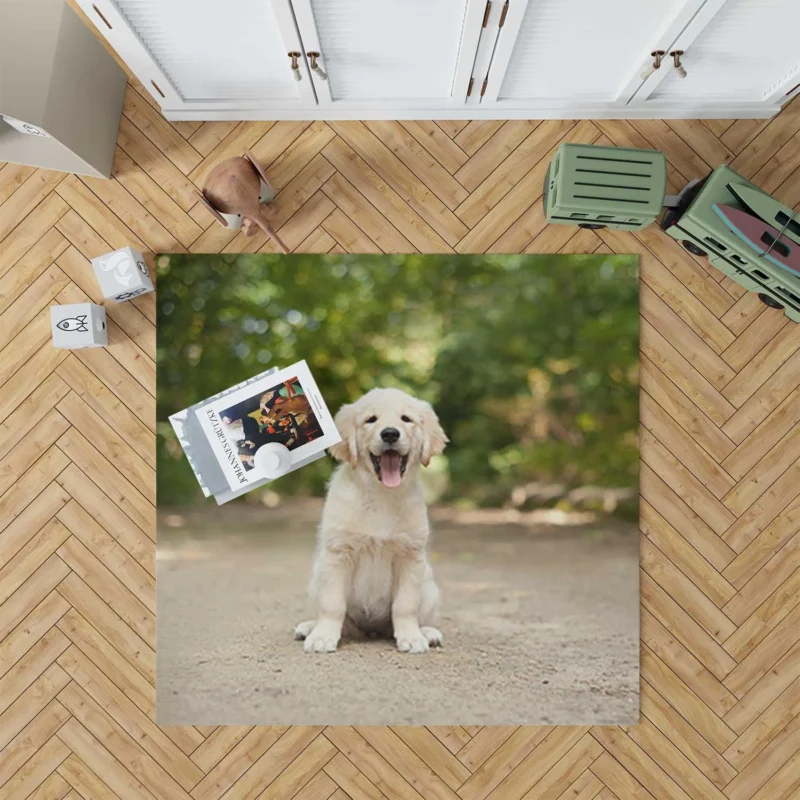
column 702, row 232
column 598, row 187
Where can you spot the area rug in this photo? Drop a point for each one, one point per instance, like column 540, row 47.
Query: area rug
column 508, row 404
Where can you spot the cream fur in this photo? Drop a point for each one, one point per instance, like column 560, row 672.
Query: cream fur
column 371, row 571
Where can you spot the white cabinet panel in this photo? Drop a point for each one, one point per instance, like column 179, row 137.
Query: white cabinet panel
column 579, row 50
column 206, row 52
column 230, row 50
column 747, row 51
column 390, row 51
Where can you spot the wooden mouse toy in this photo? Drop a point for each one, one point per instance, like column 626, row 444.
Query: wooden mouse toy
column 234, row 188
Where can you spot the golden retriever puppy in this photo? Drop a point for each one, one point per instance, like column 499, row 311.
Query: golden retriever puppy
column 371, row 572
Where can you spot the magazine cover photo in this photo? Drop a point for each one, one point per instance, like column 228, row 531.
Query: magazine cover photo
column 282, row 414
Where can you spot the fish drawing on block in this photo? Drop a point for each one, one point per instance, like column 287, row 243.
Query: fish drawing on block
column 764, row 239
column 77, row 324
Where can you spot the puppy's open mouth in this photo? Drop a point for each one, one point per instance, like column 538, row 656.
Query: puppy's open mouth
column 390, row 467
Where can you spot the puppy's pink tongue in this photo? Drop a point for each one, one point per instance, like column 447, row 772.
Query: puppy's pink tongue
column 390, row 469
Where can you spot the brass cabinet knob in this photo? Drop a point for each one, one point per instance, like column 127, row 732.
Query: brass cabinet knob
column 676, row 58
column 315, row 68
column 295, row 66
column 657, row 55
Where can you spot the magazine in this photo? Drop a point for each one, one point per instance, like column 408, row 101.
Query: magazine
column 222, row 435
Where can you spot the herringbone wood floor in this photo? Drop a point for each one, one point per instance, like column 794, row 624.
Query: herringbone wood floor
column 720, row 432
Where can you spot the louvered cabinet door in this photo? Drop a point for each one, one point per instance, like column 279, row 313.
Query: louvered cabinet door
column 390, row 54
column 207, row 54
column 735, row 51
column 577, row 54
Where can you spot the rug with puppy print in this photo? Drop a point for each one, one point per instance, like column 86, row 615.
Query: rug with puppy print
column 456, row 539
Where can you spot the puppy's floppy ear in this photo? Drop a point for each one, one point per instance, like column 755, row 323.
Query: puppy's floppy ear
column 346, row 450
column 434, row 437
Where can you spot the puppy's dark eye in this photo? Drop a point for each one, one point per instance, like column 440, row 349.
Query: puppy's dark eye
column 405, row 418
column 371, row 419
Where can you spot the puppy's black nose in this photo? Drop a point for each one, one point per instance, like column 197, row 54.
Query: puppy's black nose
column 390, row 435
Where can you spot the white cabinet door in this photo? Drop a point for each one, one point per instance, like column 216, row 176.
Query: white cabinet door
column 208, row 54
column 743, row 51
column 390, row 54
column 578, row 53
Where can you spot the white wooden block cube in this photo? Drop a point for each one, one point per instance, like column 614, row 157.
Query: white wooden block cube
column 122, row 274
column 78, row 325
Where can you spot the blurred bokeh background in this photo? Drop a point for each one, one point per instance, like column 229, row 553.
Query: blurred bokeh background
column 531, row 363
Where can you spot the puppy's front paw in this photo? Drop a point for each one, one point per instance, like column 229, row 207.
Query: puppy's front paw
column 319, row 644
column 413, row 642
column 323, row 639
column 303, row 629
column 433, row 635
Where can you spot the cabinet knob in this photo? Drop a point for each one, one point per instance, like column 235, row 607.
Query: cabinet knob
column 313, row 56
column 676, row 58
column 657, row 56
column 295, row 66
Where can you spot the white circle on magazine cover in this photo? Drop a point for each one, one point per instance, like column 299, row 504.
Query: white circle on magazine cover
column 273, row 459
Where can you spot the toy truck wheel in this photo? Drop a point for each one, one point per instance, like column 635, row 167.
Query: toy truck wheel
column 769, row 301
column 694, row 249
column 592, row 226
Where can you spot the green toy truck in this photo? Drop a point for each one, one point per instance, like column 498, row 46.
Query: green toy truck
column 695, row 224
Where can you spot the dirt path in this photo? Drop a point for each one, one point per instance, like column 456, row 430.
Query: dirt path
column 540, row 627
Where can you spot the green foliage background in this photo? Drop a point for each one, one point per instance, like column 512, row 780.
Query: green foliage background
column 530, row 361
